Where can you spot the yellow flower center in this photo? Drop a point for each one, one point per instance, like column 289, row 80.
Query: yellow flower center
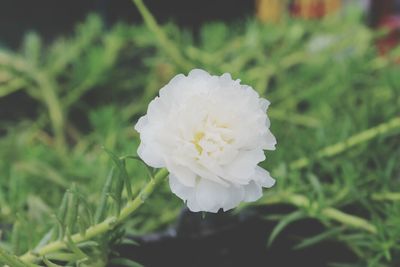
column 197, row 138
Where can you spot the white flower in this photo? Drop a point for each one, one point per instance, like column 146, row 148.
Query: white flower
column 210, row 133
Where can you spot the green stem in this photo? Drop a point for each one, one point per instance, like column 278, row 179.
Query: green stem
column 294, row 118
column 350, row 142
column 102, row 227
column 12, row 260
column 48, row 93
column 52, row 102
column 389, row 196
column 331, row 213
column 349, row 220
column 168, row 46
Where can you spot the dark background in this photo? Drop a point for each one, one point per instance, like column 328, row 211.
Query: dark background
column 51, row 18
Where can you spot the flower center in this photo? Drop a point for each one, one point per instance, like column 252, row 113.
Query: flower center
column 196, row 141
column 212, row 139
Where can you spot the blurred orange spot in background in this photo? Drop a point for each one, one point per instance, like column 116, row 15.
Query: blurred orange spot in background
column 274, row 10
column 270, row 10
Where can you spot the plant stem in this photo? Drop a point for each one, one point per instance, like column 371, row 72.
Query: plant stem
column 102, row 227
column 294, row 118
column 350, row 142
column 52, row 102
column 12, row 260
column 48, row 94
column 168, row 46
column 349, row 220
column 389, row 196
column 331, row 213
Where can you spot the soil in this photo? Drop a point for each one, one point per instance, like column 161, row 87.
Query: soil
column 225, row 239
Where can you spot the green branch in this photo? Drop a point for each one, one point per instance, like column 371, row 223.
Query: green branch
column 12, row 260
column 331, row 213
column 389, row 196
column 350, row 142
column 294, row 118
column 107, row 225
column 164, row 42
column 48, row 92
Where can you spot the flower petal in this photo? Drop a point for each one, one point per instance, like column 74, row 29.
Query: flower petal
column 179, row 189
column 149, row 155
column 242, row 168
column 236, row 195
column 253, row 192
column 182, row 173
column 210, row 196
column 199, row 73
column 268, row 140
column 142, row 122
column 263, row 178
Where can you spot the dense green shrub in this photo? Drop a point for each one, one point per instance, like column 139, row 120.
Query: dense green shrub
column 335, row 111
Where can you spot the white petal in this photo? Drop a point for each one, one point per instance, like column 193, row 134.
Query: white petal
column 156, row 111
column 170, row 92
column 253, row 192
column 149, row 155
column 269, row 140
column 187, row 194
column 264, row 104
column 198, row 73
column 192, row 205
column 178, row 78
column 263, row 178
column 267, row 122
column 226, row 76
column 142, row 122
column 236, row 195
column 182, row 173
column 204, row 173
column 179, row 189
column 242, row 168
column 209, row 195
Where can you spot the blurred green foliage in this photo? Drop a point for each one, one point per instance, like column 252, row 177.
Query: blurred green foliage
column 327, row 86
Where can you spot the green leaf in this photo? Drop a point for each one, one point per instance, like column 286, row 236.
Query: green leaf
column 149, row 170
column 74, row 248
column 126, row 179
column 32, row 48
column 62, row 210
column 125, row 262
column 46, row 238
column 307, row 242
column 62, row 256
column 292, row 217
column 73, row 206
column 117, row 192
column 316, row 185
column 82, row 225
column 120, row 163
column 88, row 244
column 129, row 241
column 100, row 211
column 49, row 263
column 15, row 237
column 12, row 260
column 12, row 85
column 87, row 208
column 43, row 171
